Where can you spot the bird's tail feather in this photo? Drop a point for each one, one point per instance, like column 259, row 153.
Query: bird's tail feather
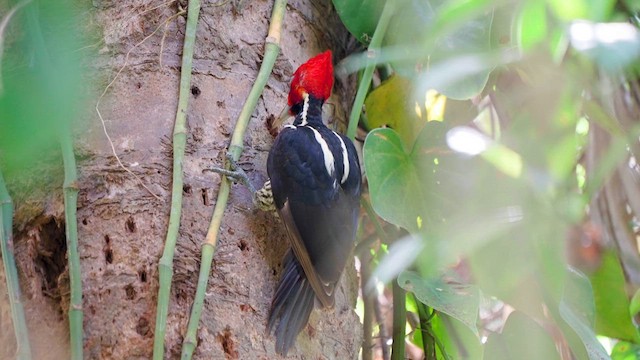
column 292, row 305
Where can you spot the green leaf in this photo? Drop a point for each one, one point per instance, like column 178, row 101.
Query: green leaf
column 36, row 101
column 390, row 104
column 522, row 339
column 397, row 193
column 360, row 17
column 460, row 301
column 578, row 309
column 423, row 33
column 612, row 318
column 406, row 186
column 519, row 286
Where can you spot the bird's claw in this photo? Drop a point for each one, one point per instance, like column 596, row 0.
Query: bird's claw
column 235, row 172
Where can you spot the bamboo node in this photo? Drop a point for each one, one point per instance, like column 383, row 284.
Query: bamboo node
column 271, row 40
column 72, row 185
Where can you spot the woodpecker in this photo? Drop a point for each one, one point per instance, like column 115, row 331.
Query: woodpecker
column 315, row 180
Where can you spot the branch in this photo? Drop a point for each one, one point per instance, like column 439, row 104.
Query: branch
column 272, row 49
column 165, row 266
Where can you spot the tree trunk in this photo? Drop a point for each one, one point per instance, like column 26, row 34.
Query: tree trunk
column 122, row 225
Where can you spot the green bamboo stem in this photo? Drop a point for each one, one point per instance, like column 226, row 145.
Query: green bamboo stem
column 70, row 190
column 367, row 75
column 165, row 266
column 399, row 322
column 272, row 49
column 11, row 274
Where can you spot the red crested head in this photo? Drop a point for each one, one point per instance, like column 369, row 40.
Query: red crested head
column 315, row 77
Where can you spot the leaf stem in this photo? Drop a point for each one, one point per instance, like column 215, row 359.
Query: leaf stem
column 165, row 266
column 368, row 299
column 367, row 75
column 399, row 322
column 428, row 341
column 272, row 49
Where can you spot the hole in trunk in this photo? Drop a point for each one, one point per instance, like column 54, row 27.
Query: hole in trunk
column 50, row 259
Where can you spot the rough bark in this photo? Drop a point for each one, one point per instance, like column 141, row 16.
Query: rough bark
column 122, row 225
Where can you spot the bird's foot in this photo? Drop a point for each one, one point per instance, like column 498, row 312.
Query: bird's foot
column 262, row 199
column 236, row 173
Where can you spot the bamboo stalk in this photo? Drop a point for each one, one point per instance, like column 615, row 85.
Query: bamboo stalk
column 165, row 266
column 11, row 274
column 272, row 49
column 70, row 190
column 367, row 75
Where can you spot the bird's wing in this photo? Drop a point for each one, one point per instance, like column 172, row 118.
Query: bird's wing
column 320, row 217
column 324, row 290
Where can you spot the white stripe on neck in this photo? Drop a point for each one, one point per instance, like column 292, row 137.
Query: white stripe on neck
column 305, row 109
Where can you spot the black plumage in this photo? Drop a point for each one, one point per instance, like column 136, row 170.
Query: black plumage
column 315, row 179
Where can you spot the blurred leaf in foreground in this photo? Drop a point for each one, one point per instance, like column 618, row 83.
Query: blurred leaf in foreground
column 42, row 76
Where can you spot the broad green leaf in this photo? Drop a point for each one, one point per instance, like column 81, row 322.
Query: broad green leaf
column 532, row 253
column 406, row 185
column 360, row 17
column 391, row 104
column 423, row 33
column 460, row 301
column 522, row 339
column 578, row 309
column 519, row 286
column 397, row 192
column 42, row 85
column 612, row 318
